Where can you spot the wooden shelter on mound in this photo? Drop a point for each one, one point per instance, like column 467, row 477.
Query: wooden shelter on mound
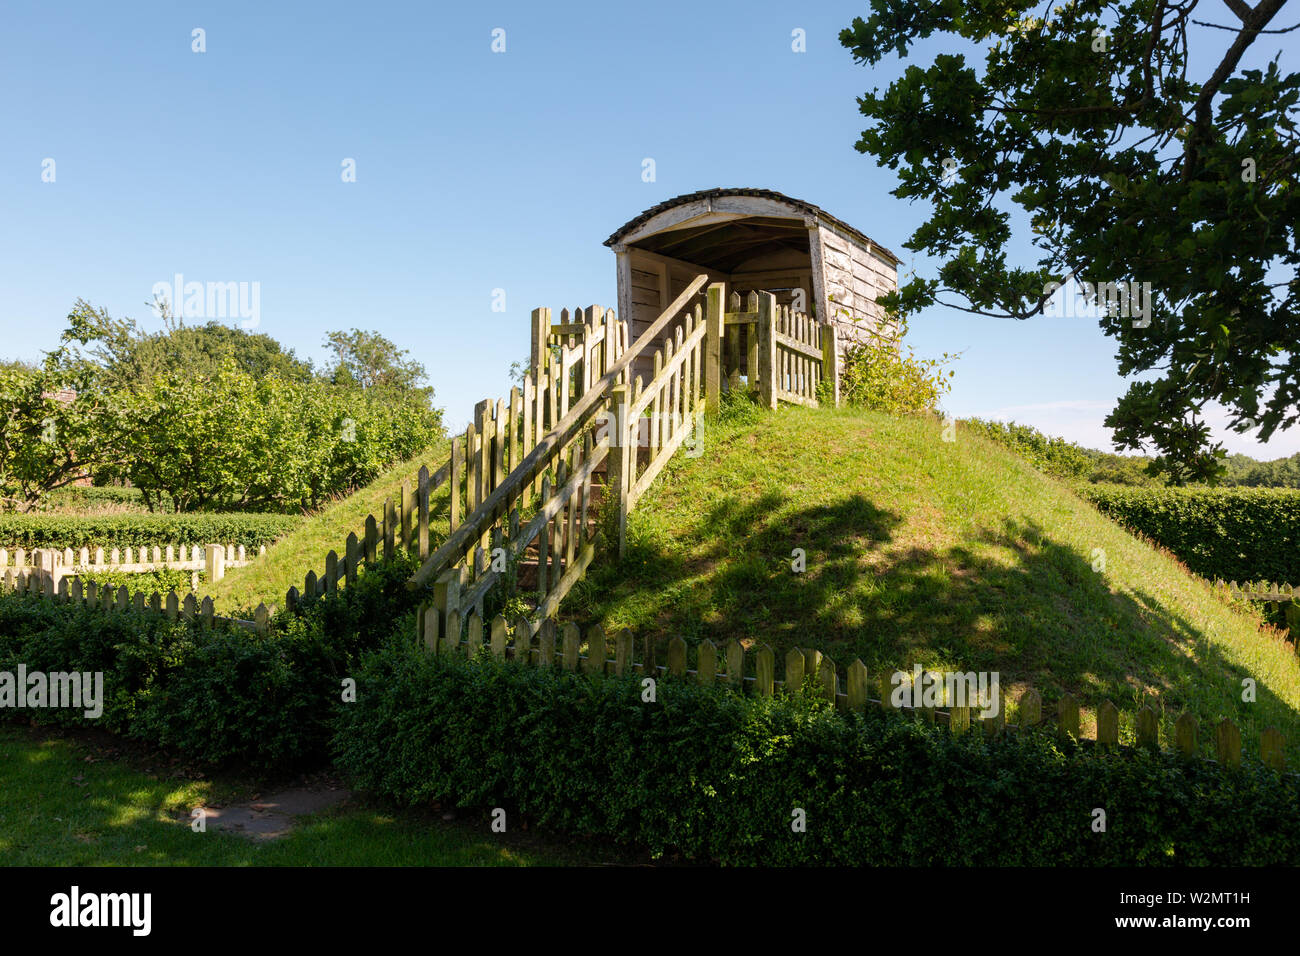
column 754, row 240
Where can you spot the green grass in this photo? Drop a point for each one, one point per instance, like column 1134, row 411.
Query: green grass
column 67, row 803
column 952, row 555
column 267, row 579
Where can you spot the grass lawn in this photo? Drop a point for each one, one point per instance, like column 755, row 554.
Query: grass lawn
column 954, row 555
column 70, row 802
column 268, row 579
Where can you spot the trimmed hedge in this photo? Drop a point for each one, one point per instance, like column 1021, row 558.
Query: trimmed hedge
column 142, row 530
column 1238, row 534
column 215, row 696
column 717, row 775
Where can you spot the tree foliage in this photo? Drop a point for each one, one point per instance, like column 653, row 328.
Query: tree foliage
column 369, row 360
column 207, row 417
column 1126, row 168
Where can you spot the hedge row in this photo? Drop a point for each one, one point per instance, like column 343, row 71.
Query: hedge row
column 719, row 776
column 141, row 530
column 215, row 696
column 1238, row 534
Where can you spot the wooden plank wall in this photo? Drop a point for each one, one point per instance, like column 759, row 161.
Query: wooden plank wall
column 854, row 276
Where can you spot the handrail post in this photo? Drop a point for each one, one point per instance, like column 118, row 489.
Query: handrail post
column 831, row 360
column 619, row 470
column 541, row 334
column 714, row 319
column 767, row 350
column 446, row 595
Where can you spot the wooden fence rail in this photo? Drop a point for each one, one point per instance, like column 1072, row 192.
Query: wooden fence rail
column 856, row 690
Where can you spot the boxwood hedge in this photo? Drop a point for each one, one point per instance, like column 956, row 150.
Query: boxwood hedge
column 718, row 776
column 1238, row 534
column 213, row 695
column 141, row 530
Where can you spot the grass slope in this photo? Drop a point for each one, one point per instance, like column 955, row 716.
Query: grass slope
column 954, row 555
column 268, row 579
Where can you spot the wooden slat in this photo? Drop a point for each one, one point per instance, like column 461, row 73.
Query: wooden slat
column 764, row 671
column 707, row 662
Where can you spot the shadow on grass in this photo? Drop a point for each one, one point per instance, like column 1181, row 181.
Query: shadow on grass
column 1010, row 599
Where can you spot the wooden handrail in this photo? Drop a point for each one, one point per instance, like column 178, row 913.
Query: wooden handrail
column 557, row 437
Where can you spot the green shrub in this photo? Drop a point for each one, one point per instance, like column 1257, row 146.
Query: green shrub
column 215, row 695
column 1053, row 456
column 1238, row 534
column 885, row 375
column 143, row 530
column 147, row 582
column 717, row 775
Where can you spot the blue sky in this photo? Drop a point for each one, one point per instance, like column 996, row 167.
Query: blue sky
column 475, row 171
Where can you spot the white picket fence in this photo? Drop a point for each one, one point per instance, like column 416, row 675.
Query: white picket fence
column 171, row 558
column 54, row 564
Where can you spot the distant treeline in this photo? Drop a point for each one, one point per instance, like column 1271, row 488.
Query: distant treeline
column 1072, row 462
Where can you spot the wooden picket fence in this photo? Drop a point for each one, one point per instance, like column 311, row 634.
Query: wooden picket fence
column 525, row 478
column 1280, row 598
column 70, row 590
column 856, row 691
column 530, row 489
column 1259, row 591
column 787, row 354
column 403, row 523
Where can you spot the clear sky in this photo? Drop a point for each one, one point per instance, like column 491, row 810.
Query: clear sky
column 475, row 171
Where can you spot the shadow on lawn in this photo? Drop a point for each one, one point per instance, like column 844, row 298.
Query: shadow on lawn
column 1010, row 599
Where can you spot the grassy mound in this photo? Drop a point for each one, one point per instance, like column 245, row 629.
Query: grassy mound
column 955, row 555
column 266, row 580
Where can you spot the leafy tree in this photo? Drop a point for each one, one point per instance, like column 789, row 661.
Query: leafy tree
column 130, row 355
column 369, row 360
column 206, row 418
column 59, row 424
column 1126, row 168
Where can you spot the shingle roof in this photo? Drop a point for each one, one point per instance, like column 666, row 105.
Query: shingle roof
column 799, row 204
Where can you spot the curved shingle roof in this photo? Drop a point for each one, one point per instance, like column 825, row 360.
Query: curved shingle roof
column 799, row 204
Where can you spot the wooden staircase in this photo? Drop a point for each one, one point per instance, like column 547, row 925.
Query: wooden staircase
column 571, row 453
